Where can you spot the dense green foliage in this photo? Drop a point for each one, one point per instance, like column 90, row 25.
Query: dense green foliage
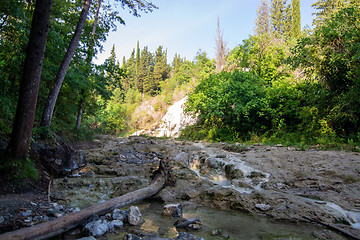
column 298, row 91
column 277, row 85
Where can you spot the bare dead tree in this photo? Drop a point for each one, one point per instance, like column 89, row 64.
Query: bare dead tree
column 221, row 48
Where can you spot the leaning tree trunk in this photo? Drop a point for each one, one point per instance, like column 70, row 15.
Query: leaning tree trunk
column 88, row 61
column 67, row 222
column 29, row 86
column 55, row 89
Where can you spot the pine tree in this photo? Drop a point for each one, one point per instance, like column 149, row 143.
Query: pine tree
column 296, row 22
column 137, row 59
column 144, row 81
column 131, row 70
column 160, row 70
column 262, row 24
column 177, row 61
column 113, row 71
column 326, row 8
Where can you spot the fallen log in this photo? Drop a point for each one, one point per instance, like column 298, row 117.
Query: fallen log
column 65, row 223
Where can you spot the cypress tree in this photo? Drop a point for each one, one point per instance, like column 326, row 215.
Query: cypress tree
column 296, row 22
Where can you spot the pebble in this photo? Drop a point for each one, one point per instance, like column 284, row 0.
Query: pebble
column 27, row 213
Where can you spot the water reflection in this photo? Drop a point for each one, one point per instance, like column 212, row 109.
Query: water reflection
column 232, row 224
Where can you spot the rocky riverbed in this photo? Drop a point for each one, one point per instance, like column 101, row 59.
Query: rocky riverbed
column 279, row 183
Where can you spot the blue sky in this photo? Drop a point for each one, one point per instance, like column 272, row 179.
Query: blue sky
column 185, row 26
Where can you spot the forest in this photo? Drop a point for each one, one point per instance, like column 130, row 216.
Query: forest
column 283, row 84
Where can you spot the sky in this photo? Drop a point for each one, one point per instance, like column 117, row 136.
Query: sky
column 186, row 26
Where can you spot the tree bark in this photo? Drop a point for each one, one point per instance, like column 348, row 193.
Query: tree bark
column 29, row 86
column 55, row 89
column 88, row 60
column 80, row 109
column 67, row 222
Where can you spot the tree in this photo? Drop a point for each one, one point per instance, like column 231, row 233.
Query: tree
column 25, row 113
column 277, row 15
column 161, row 70
column 288, row 23
column 326, row 8
column 133, row 5
column 296, row 22
column 55, row 89
column 88, row 60
column 262, row 24
column 144, row 80
column 221, row 49
column 332, row 55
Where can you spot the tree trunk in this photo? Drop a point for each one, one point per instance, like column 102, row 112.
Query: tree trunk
column 55, row 89
column 80, row 109
column 88, row 60
column 67, row 222
column 29, row 86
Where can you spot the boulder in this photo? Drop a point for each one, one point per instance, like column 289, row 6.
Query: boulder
column 172, row 210
column 134, row 216
column 98, row 228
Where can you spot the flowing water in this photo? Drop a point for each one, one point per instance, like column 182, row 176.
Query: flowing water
column 232, row 225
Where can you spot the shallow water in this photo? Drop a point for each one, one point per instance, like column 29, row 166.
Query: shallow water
column 232, row 224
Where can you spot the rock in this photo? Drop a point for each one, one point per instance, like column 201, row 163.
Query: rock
column 2, row 219
column 27, row 213
column 98, row 228
column 262, row 207
column 134, row 217
column 187, row 236
column 131, row 237
column 116, row 224
column 172, row 210
column 119, row 214
column 211, row 163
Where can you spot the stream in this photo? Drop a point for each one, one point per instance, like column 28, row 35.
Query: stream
column 232, row 224
column 253, row 192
